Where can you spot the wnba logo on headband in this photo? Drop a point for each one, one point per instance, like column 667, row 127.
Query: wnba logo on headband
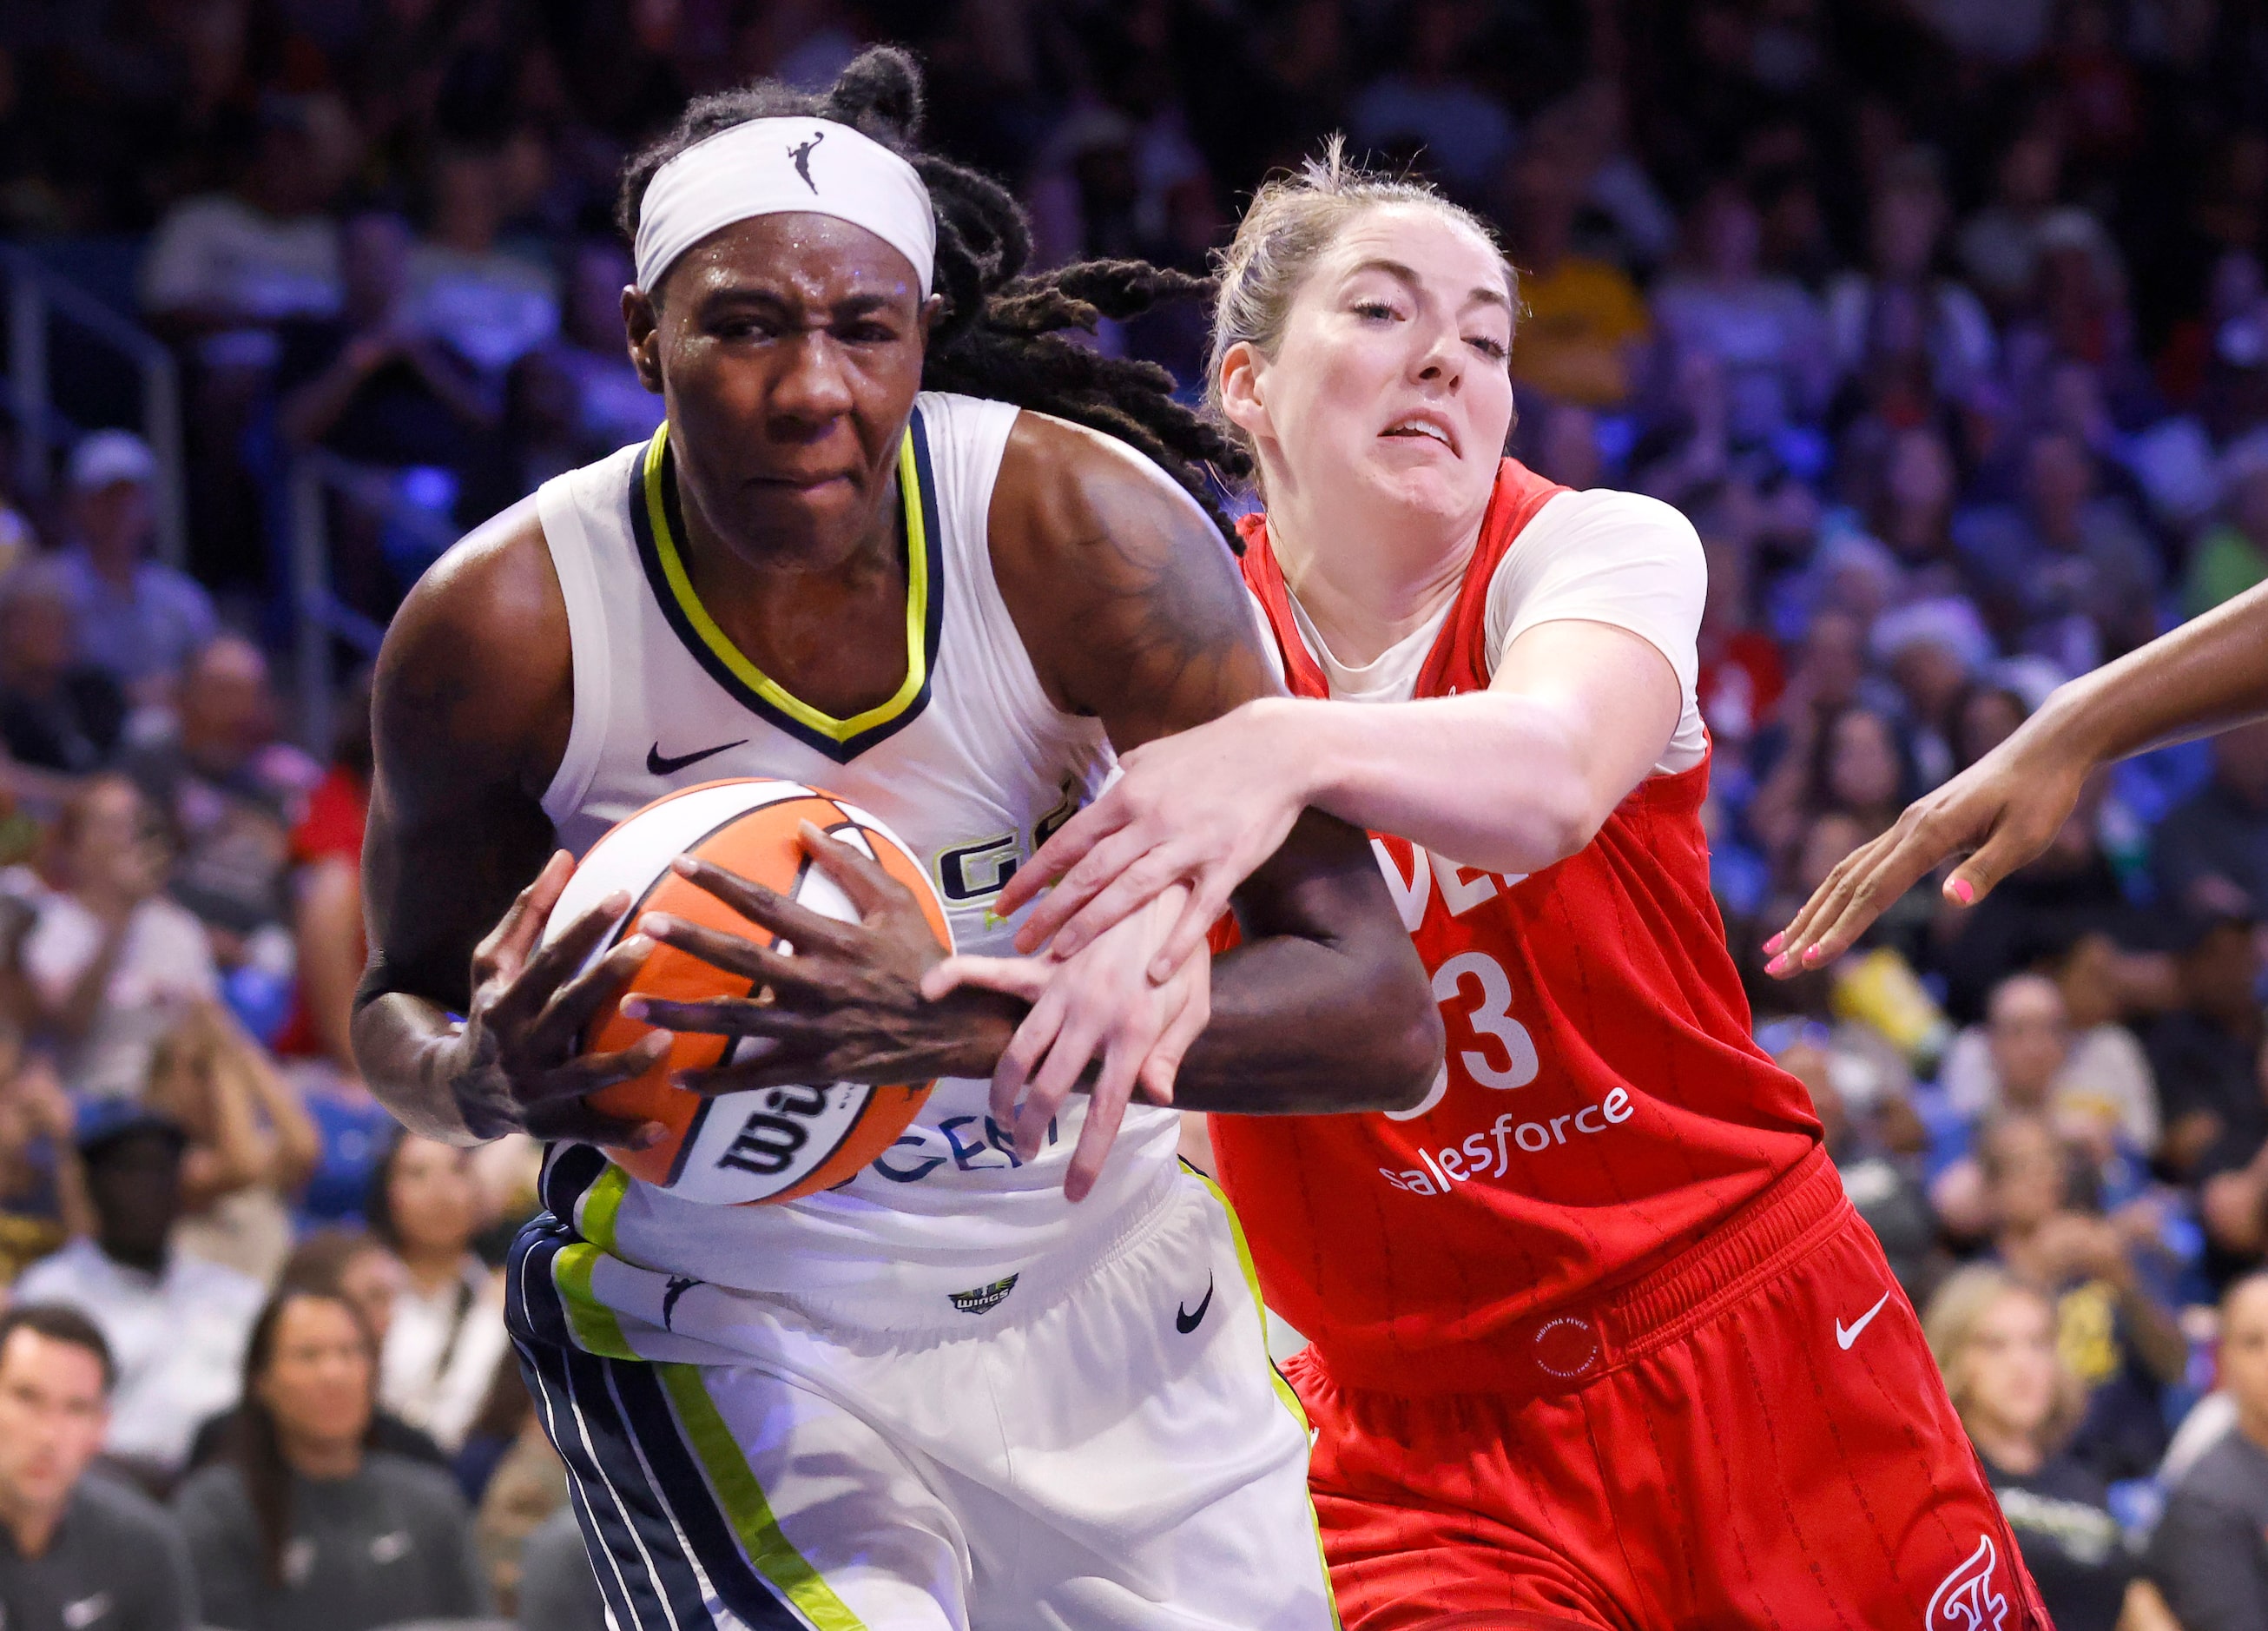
column 765, row 168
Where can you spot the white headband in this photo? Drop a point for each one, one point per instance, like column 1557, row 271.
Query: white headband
column 769, row 166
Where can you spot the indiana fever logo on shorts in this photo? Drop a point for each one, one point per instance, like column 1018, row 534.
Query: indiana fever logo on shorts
column 1966, row 1601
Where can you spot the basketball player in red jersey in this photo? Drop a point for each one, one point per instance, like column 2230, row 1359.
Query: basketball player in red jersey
column 1596, row 1338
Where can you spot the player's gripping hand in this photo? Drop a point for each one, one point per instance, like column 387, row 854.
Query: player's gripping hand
column 2001, row 812
column 1096, row 1006
column 517, row 1065
column 844, row 1004
column 1202, row 808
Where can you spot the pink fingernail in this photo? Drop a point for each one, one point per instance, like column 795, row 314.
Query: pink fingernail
column 1776, row 942
column 1964, row 891
column 1812, row 954
column 1777, row 965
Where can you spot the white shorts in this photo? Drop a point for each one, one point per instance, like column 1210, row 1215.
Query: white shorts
column 1102, row 1446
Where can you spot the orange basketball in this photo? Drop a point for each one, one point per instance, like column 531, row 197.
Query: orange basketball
column 738, row 1148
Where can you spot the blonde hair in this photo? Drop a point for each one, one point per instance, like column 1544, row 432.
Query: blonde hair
column 1950, row 1322
column 1292, row 220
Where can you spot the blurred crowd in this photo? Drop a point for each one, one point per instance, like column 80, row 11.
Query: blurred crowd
column 1947, row 323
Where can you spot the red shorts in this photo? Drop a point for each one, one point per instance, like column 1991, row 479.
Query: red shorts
column 1755, row 1435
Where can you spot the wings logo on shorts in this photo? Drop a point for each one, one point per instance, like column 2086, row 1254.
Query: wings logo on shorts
column 1966, row 1599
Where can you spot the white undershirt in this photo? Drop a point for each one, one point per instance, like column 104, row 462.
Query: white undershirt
column 1603, row 556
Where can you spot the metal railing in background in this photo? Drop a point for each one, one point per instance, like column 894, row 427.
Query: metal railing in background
column 319, row 619
column 35, row 297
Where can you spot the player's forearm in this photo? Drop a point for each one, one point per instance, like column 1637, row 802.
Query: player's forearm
column 1300, row 1027
column 1496, row 780
column 2207, row 675
column 404, row 1047
column 1324, row 1006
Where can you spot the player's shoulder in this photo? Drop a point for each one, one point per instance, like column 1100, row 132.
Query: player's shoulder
column 1071, row 483
column 1594, row 514
column 478, row 655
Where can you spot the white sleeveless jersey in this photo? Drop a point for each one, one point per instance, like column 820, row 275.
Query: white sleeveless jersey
column 970, row 763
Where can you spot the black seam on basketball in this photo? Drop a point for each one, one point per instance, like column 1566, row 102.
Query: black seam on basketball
column 638, row 906
column 658, row 582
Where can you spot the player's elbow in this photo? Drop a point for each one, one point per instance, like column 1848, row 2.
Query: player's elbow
column 1400, row 1050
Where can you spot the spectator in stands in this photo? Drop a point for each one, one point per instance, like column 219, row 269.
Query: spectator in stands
column 251, row 1143
column 1999, row 243
column 43, row 1199
column 232, row 789
column 2231, row 555
column 79, row 1551
column 1995, row 1339
column 513, row 1475
column 2207, row 1555
column 447, row 1334
column 353, row 1127
column 1931, row 649
column 113, row 962
column 1909, row 505
column 2205, row 1053
column 1428, row 103
column 1905, row 226
column 228, row 265
column 613, row 407
column 2068, row 574
column 1859, row 764
column 1766, row 332
column 492, row 308
column 176, row 1325
column 1875, row 1147
column 139, row 620
column 2093, row 1083
column 558, row 1590
column 370, row 382
column 304, row 1527
column 360, row 1269
column 57, row 713
column 2111, row 1328
column 1579, row 338
column 2212, row 850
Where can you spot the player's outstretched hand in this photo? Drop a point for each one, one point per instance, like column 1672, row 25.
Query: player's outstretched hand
column 1201, row 809
column 2001, row 812
column 844, row 1004
column 517, row 1064
column 1098, row 1004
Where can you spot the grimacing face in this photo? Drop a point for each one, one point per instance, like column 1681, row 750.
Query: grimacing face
column 1390, row 389
column 788, row 350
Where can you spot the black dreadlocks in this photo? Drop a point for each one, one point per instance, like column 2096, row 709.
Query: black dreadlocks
column 1000, row 334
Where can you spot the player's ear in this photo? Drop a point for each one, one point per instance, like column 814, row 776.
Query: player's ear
column 1242, row 394
column 932, row 309
column 642, row 326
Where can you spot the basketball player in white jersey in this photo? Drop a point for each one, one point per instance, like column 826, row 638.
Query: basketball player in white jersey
column 945, row 1394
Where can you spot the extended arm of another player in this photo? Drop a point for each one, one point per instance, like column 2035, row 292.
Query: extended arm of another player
column 2207, row 675
column 1133, row 611
column 1510, row 779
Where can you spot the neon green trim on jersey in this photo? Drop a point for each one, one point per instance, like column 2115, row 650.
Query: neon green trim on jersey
column 742, row 1500
column 1283, row 1388
column 594, row 1213
column 596, row 1328
column 721, row 645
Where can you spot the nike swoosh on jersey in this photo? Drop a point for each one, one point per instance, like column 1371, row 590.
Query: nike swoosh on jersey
column 1186, row 1321
column 657, row 766
column 1846, row 1335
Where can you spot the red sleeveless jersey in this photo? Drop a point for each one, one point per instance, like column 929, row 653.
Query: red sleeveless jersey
column 1603, row 1104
